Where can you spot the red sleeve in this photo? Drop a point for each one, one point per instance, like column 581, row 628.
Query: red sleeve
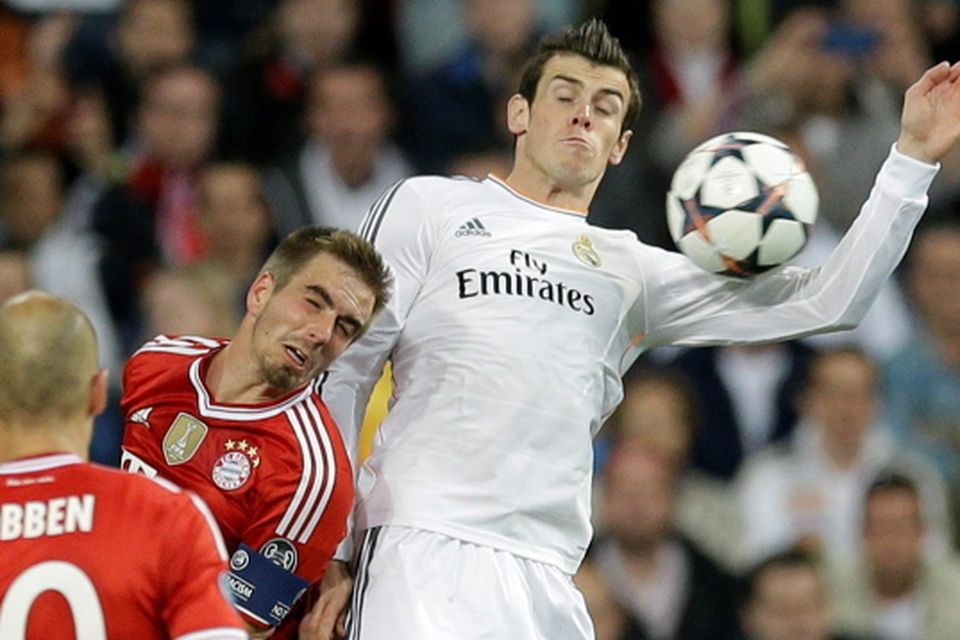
column 194, row 567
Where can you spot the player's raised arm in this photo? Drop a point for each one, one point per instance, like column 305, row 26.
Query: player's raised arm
column 930, row 123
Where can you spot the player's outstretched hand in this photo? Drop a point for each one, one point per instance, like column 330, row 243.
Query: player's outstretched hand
column 930, row 123
column 327, row 618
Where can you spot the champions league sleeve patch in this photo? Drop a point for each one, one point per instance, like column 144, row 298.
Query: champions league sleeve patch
column 262, row 589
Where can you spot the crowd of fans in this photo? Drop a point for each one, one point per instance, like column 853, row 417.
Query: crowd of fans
column 153, row 151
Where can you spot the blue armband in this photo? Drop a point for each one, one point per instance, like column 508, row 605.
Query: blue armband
column 262, row 589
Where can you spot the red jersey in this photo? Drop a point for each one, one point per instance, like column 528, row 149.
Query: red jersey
column 276, row 476
column 87, row 548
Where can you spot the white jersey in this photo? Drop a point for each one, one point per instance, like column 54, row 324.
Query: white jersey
column 510, row 325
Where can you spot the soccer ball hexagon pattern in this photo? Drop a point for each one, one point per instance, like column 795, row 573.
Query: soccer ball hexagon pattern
column 740, row 204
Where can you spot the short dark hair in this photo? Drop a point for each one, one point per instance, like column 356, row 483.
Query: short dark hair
column 303, row 245
column 593, row 41
column 792, row 558
column 891, row 479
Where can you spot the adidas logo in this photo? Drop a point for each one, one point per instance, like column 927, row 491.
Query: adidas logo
column 142, row 416
column 472, row 227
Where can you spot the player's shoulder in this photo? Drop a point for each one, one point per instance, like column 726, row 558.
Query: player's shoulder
column 180, row 346
column 437, row 189
column 135, row 492
column 163, row 352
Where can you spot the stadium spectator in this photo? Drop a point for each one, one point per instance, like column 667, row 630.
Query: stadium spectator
column 747, row 397
column 785, row 598
column 663, row 579
column 32, row 187
column 115, row 59
column 839, row 89
column 511, row 323
column 241, row 421
column 922, row 389
column 456, row 106
column 266, row 93
column 810, row 490
column 85, row 550
column 235, row 223
column 14, row 273
column 610, row 620
column 347, row 160
column 660, row 416
column 189, row 300
column 893, row 589
column 151, row 217
column 35, row 99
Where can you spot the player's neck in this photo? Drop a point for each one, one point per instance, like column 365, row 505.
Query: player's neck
column 233, row 377
column 534, row 185
column 24, row 441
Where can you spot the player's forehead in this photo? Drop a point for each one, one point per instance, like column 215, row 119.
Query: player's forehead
column 571, row 69
column 338, row 279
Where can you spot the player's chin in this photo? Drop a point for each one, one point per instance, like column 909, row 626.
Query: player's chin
column 284, row 378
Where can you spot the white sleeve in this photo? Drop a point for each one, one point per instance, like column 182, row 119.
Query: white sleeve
column 685, row 305
column 396, row 225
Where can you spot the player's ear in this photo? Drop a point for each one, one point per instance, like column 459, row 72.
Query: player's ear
column 259, row 292
column 99, row 390
column 518, row 114
column 620, row 148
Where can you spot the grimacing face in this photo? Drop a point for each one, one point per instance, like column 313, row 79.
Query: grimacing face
column 571, row 131
column 301, row 329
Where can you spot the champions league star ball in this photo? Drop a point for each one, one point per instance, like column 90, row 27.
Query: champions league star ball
column 741, row 203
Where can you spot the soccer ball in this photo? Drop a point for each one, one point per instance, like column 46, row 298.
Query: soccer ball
column 741, row 203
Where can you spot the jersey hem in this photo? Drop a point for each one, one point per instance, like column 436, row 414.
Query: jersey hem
column 467, row 534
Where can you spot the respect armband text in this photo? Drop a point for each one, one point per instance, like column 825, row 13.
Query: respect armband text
column 261, row 589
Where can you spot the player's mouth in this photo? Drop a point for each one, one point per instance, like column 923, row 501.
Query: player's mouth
column 577, row 141
column 298, row 357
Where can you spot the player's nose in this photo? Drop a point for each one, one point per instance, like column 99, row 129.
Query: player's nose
column 583, row 116
column 321, row 327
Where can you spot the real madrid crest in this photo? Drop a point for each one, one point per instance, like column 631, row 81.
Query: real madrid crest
column 183, row 438
column 583, row 249
column 233, row 468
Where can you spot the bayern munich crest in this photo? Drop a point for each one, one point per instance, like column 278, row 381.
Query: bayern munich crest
column 233, row 469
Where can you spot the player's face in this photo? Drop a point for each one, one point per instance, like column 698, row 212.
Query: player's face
column 303, row 327
column 571, row 131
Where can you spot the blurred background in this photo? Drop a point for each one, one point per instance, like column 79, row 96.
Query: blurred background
column 153, row 151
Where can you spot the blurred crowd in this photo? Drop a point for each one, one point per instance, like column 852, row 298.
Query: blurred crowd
column 153, row 151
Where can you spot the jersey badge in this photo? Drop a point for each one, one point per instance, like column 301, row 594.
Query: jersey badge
column 280, row 552
column 233, row 468
column 183, row 438
column 142, row 416
column 583, row 249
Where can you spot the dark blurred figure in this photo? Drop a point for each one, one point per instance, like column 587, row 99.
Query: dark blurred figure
column 236, row 226
column 457, row 106
column 113, row 59
column 266, row 93
column 747, row 398
column 893, row 589
column 151, row 216
column 610, row 620
column 348, row 158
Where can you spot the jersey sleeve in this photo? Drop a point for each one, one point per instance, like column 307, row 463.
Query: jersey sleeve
column 194, row 569
column 685, row 305
column 140, row 452
column 396, row 225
